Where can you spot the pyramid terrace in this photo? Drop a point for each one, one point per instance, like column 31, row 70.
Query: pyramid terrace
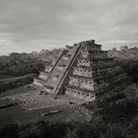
column 83, row 71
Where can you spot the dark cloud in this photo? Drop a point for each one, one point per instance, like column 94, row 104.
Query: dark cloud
column 27, row 25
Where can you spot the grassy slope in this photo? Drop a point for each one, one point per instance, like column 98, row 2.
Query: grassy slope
column 11, row 83
column 5, row 76
column 114, row 116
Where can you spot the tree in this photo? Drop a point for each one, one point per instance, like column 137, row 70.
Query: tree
column 135, row 80
column 114, row 49
column 133, row 73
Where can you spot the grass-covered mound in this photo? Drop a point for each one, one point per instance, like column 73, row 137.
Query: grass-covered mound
column 114, row 116
column 11, row 83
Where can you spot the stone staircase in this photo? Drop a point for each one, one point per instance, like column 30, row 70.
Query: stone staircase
column 60, row 71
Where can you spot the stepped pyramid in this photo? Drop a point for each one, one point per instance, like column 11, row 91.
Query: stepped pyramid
column 84, row 71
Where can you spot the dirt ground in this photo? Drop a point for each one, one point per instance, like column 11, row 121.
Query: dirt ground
column 31, row 105
column 31, row 98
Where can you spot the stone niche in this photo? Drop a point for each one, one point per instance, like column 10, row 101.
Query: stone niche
column 82, row 72
column 48, row 89
column 83, row 62
column 55, row 77
column 48, row 68
column 38, row 82
column 80, row 94
column 61, row 67
column 84, row 54
column 65, row 57
column 87, row 85
column 81, row 83
column 43, row 75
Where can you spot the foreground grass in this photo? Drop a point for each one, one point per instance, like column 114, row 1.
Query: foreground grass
column 43, row 129
column 114, row 116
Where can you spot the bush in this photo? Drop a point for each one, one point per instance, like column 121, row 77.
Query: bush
column 43, row 129
column 9, row 131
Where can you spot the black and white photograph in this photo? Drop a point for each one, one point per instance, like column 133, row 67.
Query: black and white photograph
column 68, row 68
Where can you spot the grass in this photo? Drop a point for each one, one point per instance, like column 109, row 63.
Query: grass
column 12, row 83
column 17, row 114
column 5, row 76
column 104, row 124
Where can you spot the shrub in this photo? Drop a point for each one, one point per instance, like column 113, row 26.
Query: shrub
column 9, row 131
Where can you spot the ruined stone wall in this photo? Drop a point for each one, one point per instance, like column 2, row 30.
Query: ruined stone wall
column 43, row 76
column 80, row 94
column 94, row 54
column 81, row 83
column 38, row 82
column 94, row 47
column 48, row 68
column 90, row 72
column 84, row 62
column 94, row 62
column 82, row 72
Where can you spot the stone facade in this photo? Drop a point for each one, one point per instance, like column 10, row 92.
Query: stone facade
column 84, row 71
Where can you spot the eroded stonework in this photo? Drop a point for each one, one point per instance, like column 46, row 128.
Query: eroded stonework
column 84, row 71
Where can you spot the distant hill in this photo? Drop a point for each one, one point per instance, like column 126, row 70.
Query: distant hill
column 124, row 53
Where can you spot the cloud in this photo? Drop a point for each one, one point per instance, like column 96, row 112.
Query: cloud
column 27, row 25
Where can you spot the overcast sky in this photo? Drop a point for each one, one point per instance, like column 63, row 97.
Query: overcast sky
column 32, row 25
